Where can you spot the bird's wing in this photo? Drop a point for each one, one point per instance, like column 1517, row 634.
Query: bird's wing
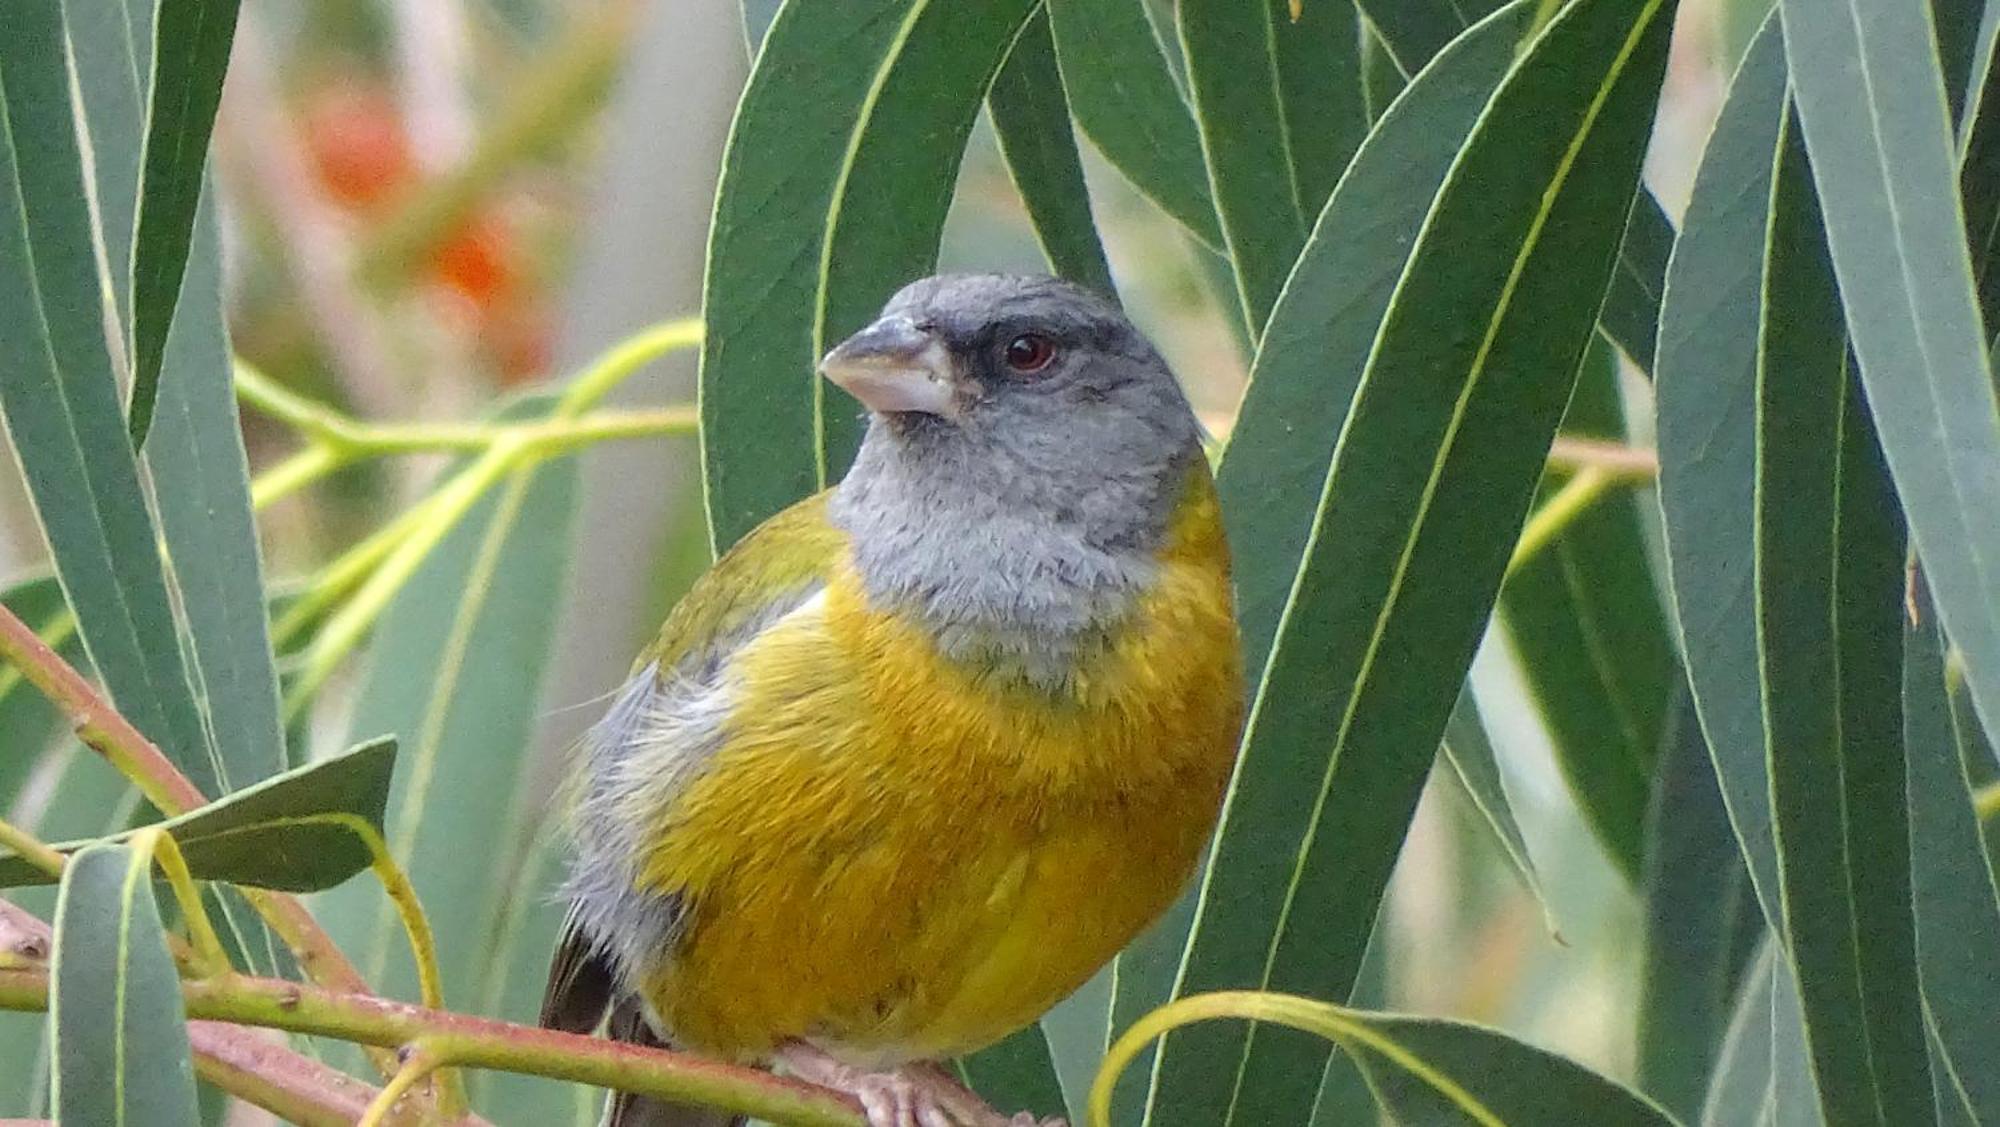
column 776, row 567
column 781, row 561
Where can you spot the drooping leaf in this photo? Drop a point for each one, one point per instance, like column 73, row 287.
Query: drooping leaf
column 1239, row 112
column 202, row 483
column 190, row 53
column 1702, row 922
column 1307, row 369
column 1631, row 313
column 1468, row 748
column 60, row 398
column 1325, row 110
column 294, row 832
column 834, row 189
column 121, row 1046
column 111, row 49
column 1427, row 1071
column 894, row 188
column 1473, row 363
column 1954, row 891
column 1415, row 31
column 1705, row 382
column 1585, row 617
column 1125, row 100
column 1761, row 1075
column 1032, row 120
column 1871, row 102
column 1829, row 552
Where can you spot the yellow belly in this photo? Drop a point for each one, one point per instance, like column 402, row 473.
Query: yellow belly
column 898, row 858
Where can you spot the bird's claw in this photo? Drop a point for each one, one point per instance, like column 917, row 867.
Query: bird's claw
column 915, row 1096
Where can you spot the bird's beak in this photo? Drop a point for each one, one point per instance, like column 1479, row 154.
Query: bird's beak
column 893, row 366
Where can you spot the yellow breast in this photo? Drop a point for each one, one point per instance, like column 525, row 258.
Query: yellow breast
column 902, row 858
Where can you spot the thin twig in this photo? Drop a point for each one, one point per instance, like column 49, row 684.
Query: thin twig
column 485, row 1043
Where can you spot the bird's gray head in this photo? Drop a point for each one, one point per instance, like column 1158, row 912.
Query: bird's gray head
column 1025, row 452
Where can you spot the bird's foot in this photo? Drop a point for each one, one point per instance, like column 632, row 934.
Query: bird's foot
column 917, row 1095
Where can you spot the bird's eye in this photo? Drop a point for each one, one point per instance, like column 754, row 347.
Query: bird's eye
column 1030, row 353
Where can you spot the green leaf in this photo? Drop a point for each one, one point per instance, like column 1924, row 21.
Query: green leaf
column 1631, row 313
column 202, row 486
column 455, row 674
column 1957, row 901
column 191, row 52
column 1829, row 581
column 1705, row 385
column 1031, row 118
column 1415, row 31
column 1468, row 748
column 1473, row 363
column 1305, row 375
column 1761, row 1077
column 1702, row 922
column 834, row 190
column 1232, row 65
column 1586, row 619
column 1871, row 102
column 1512, row 1081
column 1318, row 58
column 60, row 399
column 121, row 1043
column 1427, row 1070
column 893, row 190
column 1126, row 101
column 757, row 17
column 294, row 832
column 111, row 48
column 1018, row 1074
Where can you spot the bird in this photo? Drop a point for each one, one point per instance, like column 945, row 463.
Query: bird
column 920, row 753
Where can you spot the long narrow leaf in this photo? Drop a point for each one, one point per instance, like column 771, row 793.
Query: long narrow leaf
column 1957, row 903
column 122, row 1057
column 1307, row 369
column 1124, row 98
column 1706, row 391
column 1871, row 100
column 1032, row 120
column 294, row 832
column 834, row 190
column 1585, row 617
column 893, row 188
column 1829, row 552
column 1475, row 358
column 1702, row 922
column 60, row 398
column 190, row 54
column 1232, row 66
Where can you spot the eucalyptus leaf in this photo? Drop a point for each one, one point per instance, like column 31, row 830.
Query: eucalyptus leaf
column 1871, row 101
column 59, row 394
column 1957, row 902
column 294, row 832
column 1705, row 381
column 1126, row 101
column 190, row 53
column 1433, row 473
column 1240, row 114
column 1031, row 117
column 121, row 1045
column 1307, row 369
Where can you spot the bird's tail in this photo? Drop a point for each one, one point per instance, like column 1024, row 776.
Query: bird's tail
column 627, row 1023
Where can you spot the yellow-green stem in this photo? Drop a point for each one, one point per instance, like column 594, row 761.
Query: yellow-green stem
column 418, row 1062
column 1986, row 802
column 474, row 1042
column 159, row 846
column 1576, row 496
column 31, row 849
